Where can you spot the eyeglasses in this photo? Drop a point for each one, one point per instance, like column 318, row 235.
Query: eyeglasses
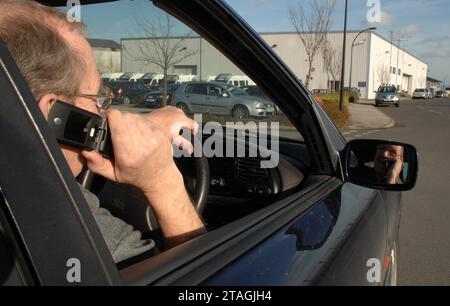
column 103, row 101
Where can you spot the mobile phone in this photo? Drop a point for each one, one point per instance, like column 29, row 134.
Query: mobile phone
column 78, row 128
column 390, row 163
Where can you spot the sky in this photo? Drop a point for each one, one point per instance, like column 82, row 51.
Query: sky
column 421, row 25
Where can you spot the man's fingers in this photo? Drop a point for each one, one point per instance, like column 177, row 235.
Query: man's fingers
column 99, row 165
column 184, row 144
column 118, row 126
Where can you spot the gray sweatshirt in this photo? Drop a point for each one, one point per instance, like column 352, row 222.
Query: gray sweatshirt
column 123, row 242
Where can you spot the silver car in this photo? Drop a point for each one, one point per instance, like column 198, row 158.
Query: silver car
column 387, row 95
column 220, row 99
column 421, row 93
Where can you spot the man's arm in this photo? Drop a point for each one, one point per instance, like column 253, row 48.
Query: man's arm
column 144, row 158
column 174, row 210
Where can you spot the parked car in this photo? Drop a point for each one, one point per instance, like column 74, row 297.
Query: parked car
column 154, row 99
column 441, row 94
column 421, row 93
column 354, row 90
column 220, row 99
column 387, row 95
column 315, row 91
column 254, row 90
column 324, row 214
column 126, row 92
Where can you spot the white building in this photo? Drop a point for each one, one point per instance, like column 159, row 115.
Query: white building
column 375, row 61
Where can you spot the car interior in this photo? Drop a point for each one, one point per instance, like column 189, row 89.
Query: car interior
column 223, row 189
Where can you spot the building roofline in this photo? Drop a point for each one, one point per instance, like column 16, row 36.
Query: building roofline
column 289, row 32
column 172, row 37
column 351, row 32
column 433, row 80
column 104, row 43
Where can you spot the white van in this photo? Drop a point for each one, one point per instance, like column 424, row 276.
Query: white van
column 115, row 76
column 157, row 80
column 184, row 78
column 236, row 80
column 136, row 76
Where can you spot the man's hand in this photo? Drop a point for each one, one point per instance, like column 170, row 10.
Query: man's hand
column 396, row 157
column 171, row 120
column 144, row 158
column 143, row 155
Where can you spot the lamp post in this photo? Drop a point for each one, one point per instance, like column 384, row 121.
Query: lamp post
column 341, row 92
column 354, row 44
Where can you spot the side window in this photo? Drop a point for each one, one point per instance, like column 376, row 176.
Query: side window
column 199, row 89
column 245, row 177
column 214, row 90
column 189, row 88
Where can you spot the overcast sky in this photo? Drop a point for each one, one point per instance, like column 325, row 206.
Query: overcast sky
column 422, row 25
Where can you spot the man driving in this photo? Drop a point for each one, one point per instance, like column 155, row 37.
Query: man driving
column 58, row 65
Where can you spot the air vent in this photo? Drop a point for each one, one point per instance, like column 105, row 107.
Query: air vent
column 247, row 167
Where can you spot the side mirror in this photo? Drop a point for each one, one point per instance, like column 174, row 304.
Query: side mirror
column 380, row 164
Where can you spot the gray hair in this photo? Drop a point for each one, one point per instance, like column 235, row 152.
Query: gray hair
column 47, row 62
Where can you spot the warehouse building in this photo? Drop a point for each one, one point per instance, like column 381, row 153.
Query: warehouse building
column 107, row 54
column 374, row 61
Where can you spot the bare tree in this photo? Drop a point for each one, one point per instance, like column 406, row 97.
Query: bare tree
column 326, row 60
column 383, row 73
column 312, row 27
column 332, row 60
column 159, row 47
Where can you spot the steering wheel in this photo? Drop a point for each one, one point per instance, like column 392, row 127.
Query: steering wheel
column 197, row 188
column 130, row 204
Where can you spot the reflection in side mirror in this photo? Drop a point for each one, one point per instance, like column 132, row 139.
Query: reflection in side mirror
column 381, row 164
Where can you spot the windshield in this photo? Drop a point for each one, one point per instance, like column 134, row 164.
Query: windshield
column 387, row 89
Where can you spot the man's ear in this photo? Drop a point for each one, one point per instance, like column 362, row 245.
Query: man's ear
column 46, row 102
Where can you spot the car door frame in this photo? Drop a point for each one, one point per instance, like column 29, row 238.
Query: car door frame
column 194, row 262
column 175, row 265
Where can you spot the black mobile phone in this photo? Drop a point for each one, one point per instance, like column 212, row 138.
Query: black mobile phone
column 390, row 164
column 81, row 129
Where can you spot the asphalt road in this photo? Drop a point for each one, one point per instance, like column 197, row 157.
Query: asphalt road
column 425, row 225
